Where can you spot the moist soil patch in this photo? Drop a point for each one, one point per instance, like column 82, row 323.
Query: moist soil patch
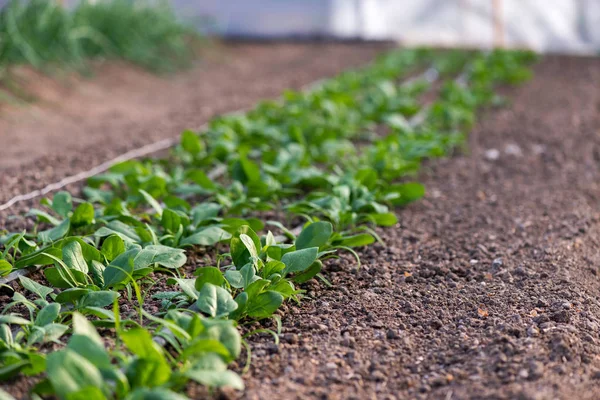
column 488, row 288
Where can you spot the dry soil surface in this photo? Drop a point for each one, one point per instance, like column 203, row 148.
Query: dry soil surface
column 487, row 289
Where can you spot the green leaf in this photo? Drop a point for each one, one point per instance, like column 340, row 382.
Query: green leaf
column 362, row 239
column 71, row 295
column 248, row 275
column 314, row 235
column 44, row 255
column 56, row 277
column 43, row 216
column 285, row 287
column 264, row 305
column 121, row 229
column 225, row 332
column 39, row 257
column 385, row 219
column 6, row 335
column 256, row 287
column 83, row 215
column 201, row 179
column 34, row 287
column 139, row 342
column 88, row 393
column 299, row 260
column 118, row 270
column 235, row 278
column 73, row 257
column 313, row 270
column 187, row 285
column 101, row 298
column 151, row 368
column 56, row 233
column 96, row 271
column 272, row 267
column 90, row 350
column 205, row 211
column 207, row 236
column 112, row 247
column 213, row 378
column 13, row 319
column 405, row 193
column 191, row 143
column 176, row 203
column 152, row 201
column 245, row 171
column 215, row 301
column 62, row 203
column 250, row 245
column 70, row 373
column 242, row 301
column 9, row 370
column 5, row 268
column 155, row 394
column 170, row 220
column 239, row 252
column 208, row 275
column 48, row 333
column 83, row 327
column 47, row 315
column 147, row 372
column 201, row 346
column 165, row 256
column 89, row 252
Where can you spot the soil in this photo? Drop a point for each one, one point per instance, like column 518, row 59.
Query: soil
column 78, row 123
column 486, row 289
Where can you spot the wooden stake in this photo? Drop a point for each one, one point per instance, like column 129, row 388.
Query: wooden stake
column 498, row 20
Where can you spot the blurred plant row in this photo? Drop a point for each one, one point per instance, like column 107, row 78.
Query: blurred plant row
column 42, row 33
column 269, row 196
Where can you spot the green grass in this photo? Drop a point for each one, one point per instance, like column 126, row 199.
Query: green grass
column 42, row 34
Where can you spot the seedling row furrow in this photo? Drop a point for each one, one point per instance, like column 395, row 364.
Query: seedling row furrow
column 297, row 157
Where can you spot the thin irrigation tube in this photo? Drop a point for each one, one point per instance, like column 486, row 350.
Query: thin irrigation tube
column 430, row 75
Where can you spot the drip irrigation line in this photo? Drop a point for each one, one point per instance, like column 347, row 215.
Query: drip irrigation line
column 431, row 74
column 130, row 155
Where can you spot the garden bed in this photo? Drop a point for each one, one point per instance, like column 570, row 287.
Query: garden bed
column 480, row 290
column 489, row 288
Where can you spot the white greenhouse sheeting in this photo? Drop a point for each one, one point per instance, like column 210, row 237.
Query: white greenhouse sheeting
column 571, row 26
column 544, row 25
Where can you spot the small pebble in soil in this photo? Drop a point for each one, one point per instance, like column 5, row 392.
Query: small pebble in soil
column 533, row 331
column 272, row 348
column 513, row 150
column 492, row 154
column 561, row 317
column 291, row 338
column 497, row 264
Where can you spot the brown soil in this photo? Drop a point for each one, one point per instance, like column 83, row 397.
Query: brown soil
column 79, row 123
column 488, row 289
